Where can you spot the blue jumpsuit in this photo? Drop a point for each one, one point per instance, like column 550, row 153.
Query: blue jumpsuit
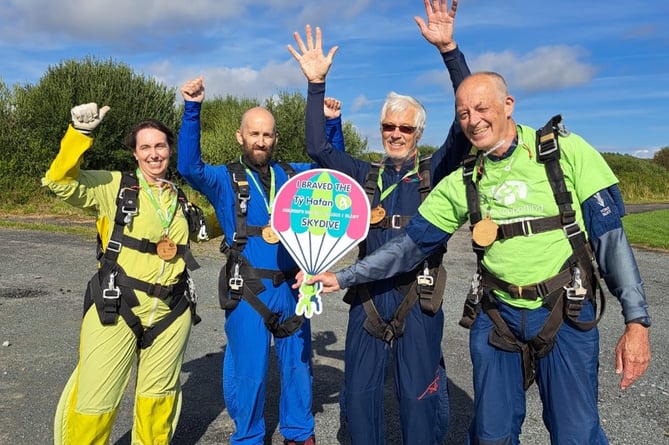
column 248, row 340
column 420, row 376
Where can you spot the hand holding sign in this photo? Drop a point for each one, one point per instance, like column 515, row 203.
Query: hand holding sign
column 319, row 216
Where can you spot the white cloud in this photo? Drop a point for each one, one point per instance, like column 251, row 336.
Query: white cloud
column 545, row 68
column 646, row 154
column 103, row 20
column 235, row 81
column 360, row 103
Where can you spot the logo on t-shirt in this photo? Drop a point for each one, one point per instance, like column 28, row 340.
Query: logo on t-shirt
column 510, row 192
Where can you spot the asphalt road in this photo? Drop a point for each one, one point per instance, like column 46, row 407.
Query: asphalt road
column 43, row 276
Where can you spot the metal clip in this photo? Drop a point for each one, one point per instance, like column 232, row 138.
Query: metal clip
column 236, row 281
column 130, row 213
column 190, row 290
column 425, row 279
column 112, row 292
column 576, row 292
column 202, row 234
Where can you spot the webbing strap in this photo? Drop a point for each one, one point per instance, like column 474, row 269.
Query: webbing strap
column 249, row 286
column 112, row 302
column 374, row 324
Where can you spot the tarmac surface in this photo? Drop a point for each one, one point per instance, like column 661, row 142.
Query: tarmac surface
column 43, row 276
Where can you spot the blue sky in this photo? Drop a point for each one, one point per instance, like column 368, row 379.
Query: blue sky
column 603, row 65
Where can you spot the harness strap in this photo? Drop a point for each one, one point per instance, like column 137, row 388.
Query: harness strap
column 563, row 300
column 529, row 227
column 119, row 298
column 374, row 324
column 144, row 245
column 392, row 222
column 530, row 291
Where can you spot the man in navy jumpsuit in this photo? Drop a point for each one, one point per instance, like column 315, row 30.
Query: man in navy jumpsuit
column 248, row 339
column 420, row 376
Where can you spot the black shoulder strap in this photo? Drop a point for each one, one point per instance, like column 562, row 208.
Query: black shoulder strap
column 290, row 171
column 371, row 181
column 240, row 185
column 425, row 175
column 548, row 153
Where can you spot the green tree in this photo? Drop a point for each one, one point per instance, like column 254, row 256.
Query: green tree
column 221, row 118
column 220, row 121
column 44, row 112
column 661, row 158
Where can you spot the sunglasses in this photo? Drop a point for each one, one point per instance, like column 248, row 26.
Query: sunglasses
column 404, row 129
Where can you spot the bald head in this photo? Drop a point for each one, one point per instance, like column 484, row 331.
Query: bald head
column 484, row 109
column 257, row 114
column 257, row 136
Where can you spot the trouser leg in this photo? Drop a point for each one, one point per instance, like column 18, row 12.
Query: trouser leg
column 499, row 396
column 296, row 420
column 158, row 388
column 244, row 373
column 366, row 361
column 420, row 380
column 90, row 400
column 568, row 385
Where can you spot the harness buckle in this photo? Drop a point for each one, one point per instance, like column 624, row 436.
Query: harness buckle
column 111, row 294
column 425, row 279
column 395, row 222
column 576, row 292
column 569, row 229
column 548, row 145
column 114, row 246
column 526, row 226
column 236, row 282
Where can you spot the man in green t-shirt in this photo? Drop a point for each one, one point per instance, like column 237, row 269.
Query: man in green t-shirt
column 531, row 310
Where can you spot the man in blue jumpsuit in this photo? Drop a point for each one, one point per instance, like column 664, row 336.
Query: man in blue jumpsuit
column 258, row 272
column 532, row 244
column 414, row 336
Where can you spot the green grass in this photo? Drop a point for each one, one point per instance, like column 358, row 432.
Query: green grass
column 648, row 229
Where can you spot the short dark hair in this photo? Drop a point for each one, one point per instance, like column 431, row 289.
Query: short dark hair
column 131, row 139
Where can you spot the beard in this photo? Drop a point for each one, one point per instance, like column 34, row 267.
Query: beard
column 258, row 157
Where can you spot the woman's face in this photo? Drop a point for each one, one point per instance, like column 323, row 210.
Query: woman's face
column 152, row 152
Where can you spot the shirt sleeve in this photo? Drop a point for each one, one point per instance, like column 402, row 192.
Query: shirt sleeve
column 401, row 254
column 455, row 147
column 602, row 216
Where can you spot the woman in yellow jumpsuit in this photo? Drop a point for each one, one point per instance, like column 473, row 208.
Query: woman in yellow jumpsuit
column 107, row 352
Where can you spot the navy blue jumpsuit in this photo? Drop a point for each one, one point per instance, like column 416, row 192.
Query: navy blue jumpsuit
column 420, row 376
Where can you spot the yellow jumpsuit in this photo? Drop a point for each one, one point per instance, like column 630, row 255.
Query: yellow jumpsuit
column 107, row 353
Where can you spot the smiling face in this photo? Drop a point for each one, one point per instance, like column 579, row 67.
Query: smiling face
column 484, row 109
column 402, row 121
column 152, row 152
column 257, row 136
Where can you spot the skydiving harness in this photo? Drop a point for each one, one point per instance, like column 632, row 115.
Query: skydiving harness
column 563, row 294
column 113, row 291
column 427, row 286
column 238, row 279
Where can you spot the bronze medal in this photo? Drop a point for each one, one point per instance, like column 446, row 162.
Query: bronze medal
column 377, row 214
column 166, row 248
column 269, row 235
column 484, row 232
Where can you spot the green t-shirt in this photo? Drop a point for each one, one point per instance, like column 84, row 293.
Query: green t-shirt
column 516, row 189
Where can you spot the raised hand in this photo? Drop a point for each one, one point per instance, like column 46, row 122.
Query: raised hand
column 193, row 90
column 315, row 65
column 86, row 117
column 440, row 24
column 331, row 107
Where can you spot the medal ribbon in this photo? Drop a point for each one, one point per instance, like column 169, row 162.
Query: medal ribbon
column 388, row 191
column 272, row 188
column 168, row 215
